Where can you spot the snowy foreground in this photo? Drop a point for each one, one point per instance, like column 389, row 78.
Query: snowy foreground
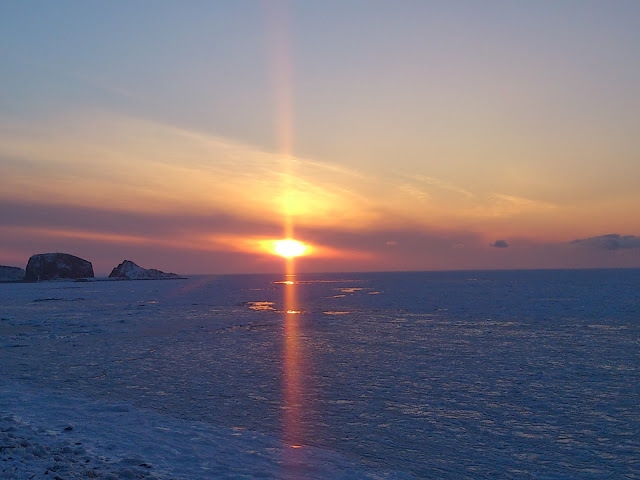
column 47, row 436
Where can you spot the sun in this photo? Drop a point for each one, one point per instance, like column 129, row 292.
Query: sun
column 289, row 248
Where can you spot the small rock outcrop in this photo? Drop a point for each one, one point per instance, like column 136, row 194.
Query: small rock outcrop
column 11, row 274
column 128, row 270
column 57, row 266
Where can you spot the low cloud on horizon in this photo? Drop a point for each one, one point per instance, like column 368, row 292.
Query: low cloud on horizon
column 610, row 241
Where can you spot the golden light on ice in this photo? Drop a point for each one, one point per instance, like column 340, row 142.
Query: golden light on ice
column 289, row 248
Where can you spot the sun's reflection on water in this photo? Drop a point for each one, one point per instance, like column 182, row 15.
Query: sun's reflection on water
column 292, row 362
column 293, row 406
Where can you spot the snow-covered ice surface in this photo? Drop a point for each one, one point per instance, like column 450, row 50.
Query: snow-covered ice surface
column 393, row 375
column 47, row 434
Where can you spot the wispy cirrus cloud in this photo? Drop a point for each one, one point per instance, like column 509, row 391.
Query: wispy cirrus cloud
column 425, row 184
column 500, row 204
column 96, row 158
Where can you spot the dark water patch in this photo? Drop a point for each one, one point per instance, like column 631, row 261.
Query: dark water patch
column 56, row 299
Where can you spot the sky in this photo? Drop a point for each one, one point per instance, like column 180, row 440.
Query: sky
column 386, row 135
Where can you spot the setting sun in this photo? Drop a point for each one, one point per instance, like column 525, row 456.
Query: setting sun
column 289, row 248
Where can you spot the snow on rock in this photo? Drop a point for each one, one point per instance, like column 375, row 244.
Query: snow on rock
column 56, row 266
column 130, row 271
column 11, row 274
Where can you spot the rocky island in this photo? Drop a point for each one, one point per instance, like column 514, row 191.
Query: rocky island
column 128, row 270
column 11, row 274
column 64, row 266
column 57, row 266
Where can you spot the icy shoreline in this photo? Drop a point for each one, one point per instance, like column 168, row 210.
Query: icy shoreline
column 44, row 435
column 29, row 453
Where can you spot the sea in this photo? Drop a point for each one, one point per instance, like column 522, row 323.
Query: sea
column 409, row 375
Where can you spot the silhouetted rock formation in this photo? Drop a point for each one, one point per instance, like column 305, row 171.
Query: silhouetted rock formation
column 55, row 266
column 128, row 270
column 11, row 274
